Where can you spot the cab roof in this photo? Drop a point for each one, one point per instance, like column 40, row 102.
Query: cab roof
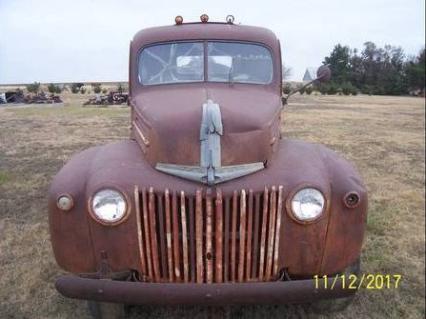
column 205, row 31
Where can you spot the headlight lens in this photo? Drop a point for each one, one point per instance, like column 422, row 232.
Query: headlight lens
column 109, row 206
column 307, row 204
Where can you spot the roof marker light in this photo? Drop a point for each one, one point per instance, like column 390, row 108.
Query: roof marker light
column 204, row 18
column 178, row 20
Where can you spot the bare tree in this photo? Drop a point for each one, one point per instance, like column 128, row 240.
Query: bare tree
column 287, row 72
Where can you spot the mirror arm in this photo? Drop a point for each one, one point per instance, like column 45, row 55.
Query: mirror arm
column 323, row 75
column 285, row 98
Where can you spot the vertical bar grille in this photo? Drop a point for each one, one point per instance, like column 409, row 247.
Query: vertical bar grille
column 209, row 238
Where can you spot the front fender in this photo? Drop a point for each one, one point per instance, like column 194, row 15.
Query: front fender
column 69, row 230
column 346, row 225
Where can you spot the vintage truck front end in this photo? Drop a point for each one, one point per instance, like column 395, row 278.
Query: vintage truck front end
column 205, row 203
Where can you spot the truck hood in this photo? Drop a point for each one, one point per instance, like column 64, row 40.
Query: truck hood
column 166, row 122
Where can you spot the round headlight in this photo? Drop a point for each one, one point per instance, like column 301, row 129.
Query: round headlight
column 307, row 204
column 109, row 206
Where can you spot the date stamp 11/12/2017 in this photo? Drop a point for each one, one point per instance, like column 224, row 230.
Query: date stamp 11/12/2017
column 355, row 282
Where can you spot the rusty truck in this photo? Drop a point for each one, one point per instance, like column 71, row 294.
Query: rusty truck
column 206, row 202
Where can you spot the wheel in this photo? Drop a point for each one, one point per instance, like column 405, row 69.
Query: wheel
column 340, row 304
column 106, row 310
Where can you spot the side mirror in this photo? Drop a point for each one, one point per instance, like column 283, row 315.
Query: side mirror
column 323, row 74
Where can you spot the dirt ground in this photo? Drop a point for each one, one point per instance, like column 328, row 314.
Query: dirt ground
column 384, row 136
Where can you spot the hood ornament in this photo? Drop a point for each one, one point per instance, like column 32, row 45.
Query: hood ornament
column 210, row 171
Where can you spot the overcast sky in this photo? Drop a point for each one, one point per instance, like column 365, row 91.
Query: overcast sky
column 68, row 41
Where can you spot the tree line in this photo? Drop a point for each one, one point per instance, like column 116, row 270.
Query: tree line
column 78, row 87
column 375, row 70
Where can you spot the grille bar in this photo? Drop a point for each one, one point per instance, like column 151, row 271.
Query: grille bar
column 199, row 235
column 153, row 231
column 209, row 238
column 161, row 232
column 168, row 235
column 209, row 235
column 184, row 238
column 242, row 238
column 257, row 217
column 219, row 237
column 139, row 227
column 277, row 229
column 176, row 253
column 234, row 235
column 271, row 236
column 192, row 238
column 146, row 233
column 249, row 235
column 227, row 237
column 263, row 235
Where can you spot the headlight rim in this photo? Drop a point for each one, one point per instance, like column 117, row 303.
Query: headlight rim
column 126, row 202
column 297, row 189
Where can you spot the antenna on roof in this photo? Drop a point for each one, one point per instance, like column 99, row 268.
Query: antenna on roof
column 230, row 19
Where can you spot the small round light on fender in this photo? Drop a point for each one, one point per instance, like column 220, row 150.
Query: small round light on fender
column 65, row 202
column 204, row 18
column 179, row 20
column 351, row 199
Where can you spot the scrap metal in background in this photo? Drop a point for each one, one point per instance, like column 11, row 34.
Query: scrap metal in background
column 19, row 97
column 112, row 98
column 42, row 98
column 13, row 96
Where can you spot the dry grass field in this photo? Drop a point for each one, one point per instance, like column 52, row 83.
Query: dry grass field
column 383, row 136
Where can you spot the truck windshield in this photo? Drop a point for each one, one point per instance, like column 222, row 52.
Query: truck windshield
column 172, row 63
column 226, row 62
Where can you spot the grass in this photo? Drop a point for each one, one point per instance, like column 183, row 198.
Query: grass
column 4, row 177
column 383, row 136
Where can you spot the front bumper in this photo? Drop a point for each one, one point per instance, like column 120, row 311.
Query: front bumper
column 140, row 293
